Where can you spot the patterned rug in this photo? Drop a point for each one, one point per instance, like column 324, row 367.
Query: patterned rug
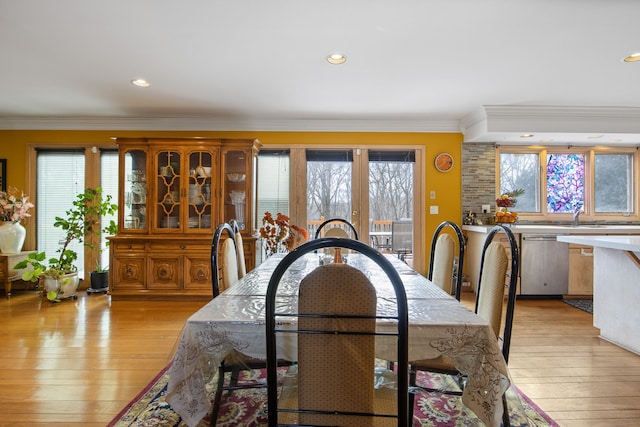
column 246, row 408
column 582, row 304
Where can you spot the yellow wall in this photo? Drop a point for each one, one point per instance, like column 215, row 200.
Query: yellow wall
column 447, row 186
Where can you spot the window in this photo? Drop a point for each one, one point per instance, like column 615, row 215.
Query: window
column 565, row 182
column 598, row 181
column 614, row 186
column 390, row 185
column 359, row 184
column 109, row 185
column 521, row 171
column 272, row 193
column 60, row 177
column 329, row 178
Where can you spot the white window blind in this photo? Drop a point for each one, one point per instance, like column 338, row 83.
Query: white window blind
column 60, row 177
column 273, row 184
column 109, row 184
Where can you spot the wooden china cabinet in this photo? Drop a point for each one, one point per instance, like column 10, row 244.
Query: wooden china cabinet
column 173, row 194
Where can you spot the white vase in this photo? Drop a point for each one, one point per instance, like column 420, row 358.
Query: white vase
column 12, row 235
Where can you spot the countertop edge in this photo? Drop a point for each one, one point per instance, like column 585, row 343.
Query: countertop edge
column 560, row 229
column 623, row 243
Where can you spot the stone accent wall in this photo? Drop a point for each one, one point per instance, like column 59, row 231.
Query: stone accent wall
column 478, row 179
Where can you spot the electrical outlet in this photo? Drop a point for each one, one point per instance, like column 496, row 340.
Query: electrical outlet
column 486, row 208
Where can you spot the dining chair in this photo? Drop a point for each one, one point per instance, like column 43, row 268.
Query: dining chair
column 224, row 259
column 242, row 266
column 402, row 237
column 336, row 340
column 224, row 265
column 490, row 296
column 442, row 259
column 336, row 231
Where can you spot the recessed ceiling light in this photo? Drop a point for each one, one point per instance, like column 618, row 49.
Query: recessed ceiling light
column 595, row 136
column 633, row 57
column 527, row 135
column 336, row 59
column 141, row 83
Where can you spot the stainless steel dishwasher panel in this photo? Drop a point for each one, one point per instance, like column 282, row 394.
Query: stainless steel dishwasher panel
column 545, row 265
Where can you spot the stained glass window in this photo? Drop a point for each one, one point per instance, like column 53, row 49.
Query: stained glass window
column 565, row 182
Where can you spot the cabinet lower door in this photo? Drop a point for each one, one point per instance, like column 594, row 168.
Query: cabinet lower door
column 164, row 273
column 128, row 272
column 197, row 273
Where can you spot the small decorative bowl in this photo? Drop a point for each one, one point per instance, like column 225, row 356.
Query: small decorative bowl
column 236, row 177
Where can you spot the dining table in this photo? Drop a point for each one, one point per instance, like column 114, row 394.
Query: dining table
column 235, row 321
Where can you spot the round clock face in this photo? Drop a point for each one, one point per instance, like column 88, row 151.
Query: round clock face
column 444, row 162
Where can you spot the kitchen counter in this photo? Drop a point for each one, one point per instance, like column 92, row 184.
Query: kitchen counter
column 623, row 243
column 561, row 229
column 616, row 287
column 477, row 234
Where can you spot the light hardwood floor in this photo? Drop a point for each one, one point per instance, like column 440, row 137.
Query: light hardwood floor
column 79, row 362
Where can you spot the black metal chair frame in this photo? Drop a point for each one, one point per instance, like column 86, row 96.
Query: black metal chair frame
column 234, row 226
column 327, row 222
column 236, row 230
column 272, row 326
column 511, row 298
column 215, row 254
column 508, row 324
column 461, row 247
column 223, row 368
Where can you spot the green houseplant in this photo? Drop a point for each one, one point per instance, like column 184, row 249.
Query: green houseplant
column 82, row 224
column 100, row 276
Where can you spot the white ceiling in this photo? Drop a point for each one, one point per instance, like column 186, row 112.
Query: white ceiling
column 492, row 69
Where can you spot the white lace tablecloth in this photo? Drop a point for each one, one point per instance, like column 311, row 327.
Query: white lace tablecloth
column 235, row 320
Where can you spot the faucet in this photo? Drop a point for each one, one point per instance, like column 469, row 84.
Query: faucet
column 576, row 215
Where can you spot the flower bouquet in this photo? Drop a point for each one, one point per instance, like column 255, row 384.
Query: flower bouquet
column 280, row 236
column 14, row 208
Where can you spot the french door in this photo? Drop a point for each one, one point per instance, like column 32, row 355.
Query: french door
column 372, row 188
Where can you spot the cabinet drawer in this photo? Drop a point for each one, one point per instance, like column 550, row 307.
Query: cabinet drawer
column 129, row 246
column 179, row 247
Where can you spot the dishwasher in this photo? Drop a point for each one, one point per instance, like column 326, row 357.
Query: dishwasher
column 544, row 267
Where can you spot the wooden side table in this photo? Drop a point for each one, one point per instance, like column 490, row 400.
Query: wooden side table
column 7, row 273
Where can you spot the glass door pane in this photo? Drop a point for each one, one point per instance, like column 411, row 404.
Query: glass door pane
column 235, row 167
column 200, row 202
column 391, row 201
column 329, row 186
column 135, row 190
column 167, row 202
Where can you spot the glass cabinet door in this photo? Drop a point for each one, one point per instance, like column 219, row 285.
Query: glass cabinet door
column 236, row 205
column 166, row 205
column 135, row 190
column 200, row 204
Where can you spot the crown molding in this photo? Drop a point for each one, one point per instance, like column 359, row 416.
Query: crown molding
column 502, row 123
column 216, row 124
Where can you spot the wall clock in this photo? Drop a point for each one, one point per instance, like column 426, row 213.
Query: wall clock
column 444, row 162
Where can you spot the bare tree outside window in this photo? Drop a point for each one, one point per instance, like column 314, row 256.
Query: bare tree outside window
column 521, row 171
column 390, row 190
column 328, row 190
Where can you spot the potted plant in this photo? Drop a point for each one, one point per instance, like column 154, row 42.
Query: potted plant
column 82, row 224
column 100, row 276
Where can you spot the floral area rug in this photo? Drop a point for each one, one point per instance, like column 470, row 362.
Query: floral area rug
column 246, row 408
